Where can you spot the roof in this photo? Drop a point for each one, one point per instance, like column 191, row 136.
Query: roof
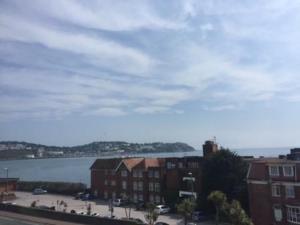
column 100, row 164
column 272, row 161
column 153, row 162
column 132, row 162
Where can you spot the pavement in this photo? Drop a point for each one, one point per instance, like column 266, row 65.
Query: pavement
column 101, row 207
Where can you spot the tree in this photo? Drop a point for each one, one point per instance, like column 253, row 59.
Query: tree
column 151, row 215
column 219, row 199
column 236, row 215
column 226, row 171
column 232, row 211
column 89, row 209
column 186, row 208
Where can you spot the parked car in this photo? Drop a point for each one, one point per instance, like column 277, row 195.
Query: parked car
column 86, row 197
column 95, row 214
column 162, row 209
column 199, row 216
column 79, row 195
column 140, row 205
column 39, row 191
column 118, row 202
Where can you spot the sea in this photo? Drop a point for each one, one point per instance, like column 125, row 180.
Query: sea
column 77, row 169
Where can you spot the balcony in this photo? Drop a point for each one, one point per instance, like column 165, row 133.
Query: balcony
column 187, row 194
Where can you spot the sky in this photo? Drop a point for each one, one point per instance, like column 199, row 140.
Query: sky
column 73, row 72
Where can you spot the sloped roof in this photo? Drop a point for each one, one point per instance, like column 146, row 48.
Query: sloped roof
column 153, row 162
column 132, row 162
column 106, row 163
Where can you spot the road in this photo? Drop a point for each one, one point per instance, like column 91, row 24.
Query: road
column 101, row 207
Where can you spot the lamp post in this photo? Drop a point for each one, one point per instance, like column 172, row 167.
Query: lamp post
column 6, row 187
column 192, row 182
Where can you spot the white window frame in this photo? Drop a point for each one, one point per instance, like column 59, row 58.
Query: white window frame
column 271, row 171
column 275, row 189
column 284, row 171
column 289, row 193
column 105, row 195
column 157, row 187
column 277, row 213
column 293, row 214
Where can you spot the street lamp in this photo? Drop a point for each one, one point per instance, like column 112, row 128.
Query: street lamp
column 6, row 187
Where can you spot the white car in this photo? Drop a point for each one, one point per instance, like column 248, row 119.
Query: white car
column 118, row 202
column 162, row 209
column 39, row 191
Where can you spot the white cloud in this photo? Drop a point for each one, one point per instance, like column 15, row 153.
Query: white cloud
column 112, row 59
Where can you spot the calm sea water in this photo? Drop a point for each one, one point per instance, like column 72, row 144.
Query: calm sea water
column 77, row 169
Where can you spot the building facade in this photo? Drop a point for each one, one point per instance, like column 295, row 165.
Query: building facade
column 157, row 180
column 274, row 191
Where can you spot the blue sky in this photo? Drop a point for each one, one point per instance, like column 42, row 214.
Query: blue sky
column 72, row 72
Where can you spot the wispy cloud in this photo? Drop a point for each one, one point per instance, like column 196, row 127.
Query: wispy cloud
column 113, row 59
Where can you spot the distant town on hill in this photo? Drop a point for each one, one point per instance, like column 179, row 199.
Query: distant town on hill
column 23, row 150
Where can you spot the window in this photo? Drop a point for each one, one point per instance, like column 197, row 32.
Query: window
column 180, row 165
column 277, row 213
column 113, row 172
column 124, row 185
column 156, row 173
column 134, row 186
column 150, row 173
column 135, row 197
column 288, row 171
column 193, row 165
column 170, row 165
column 140, row 186
column 113, row 195
column 141, row 197
column 151, row 198
column 275, row 190
column 134, row 173
column 157, row 187
column 140, row 173
column 113, row 183
column 274, row 170
column 293, row 214
column 151, row 186
column 105, row 194
column 124, row 173
column 157, row 199
column 289, row 191
column 105, row 182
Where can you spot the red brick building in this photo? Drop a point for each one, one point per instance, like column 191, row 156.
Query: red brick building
column 274, row 191
column 149, row 179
